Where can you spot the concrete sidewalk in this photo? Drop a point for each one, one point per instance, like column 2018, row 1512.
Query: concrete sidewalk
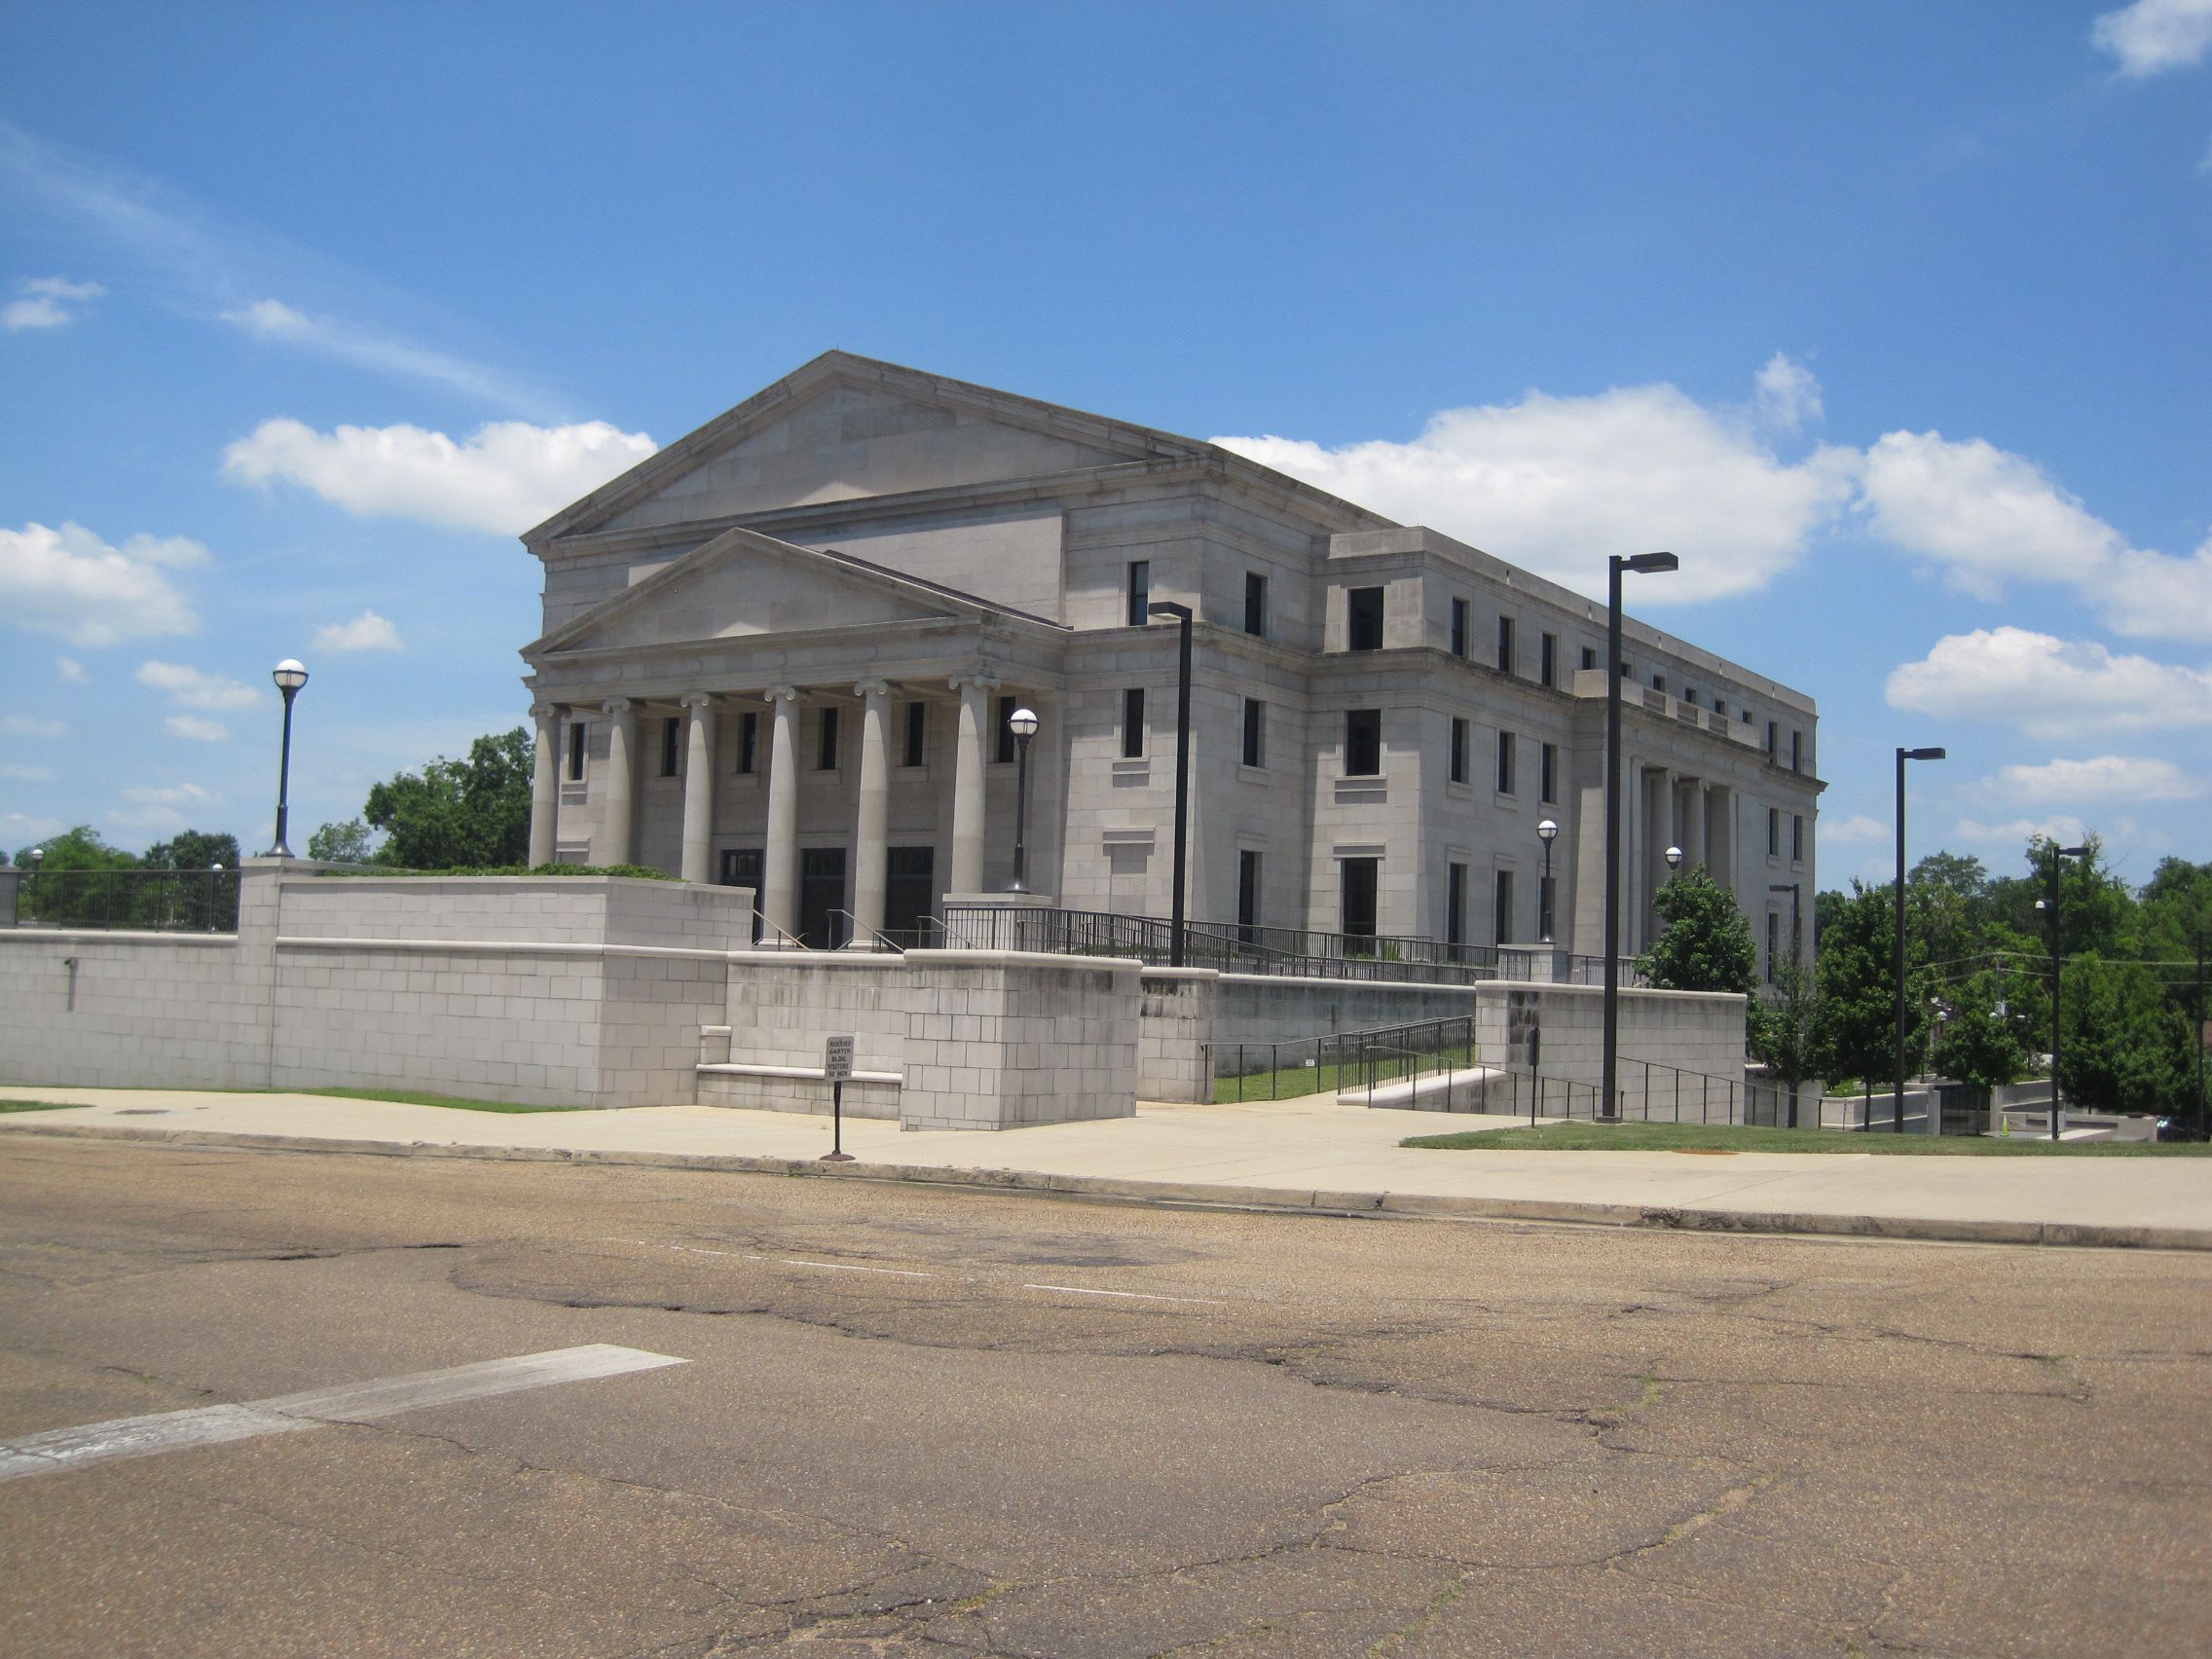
column 1309, row 1154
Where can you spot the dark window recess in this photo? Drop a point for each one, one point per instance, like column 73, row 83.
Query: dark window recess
column 1133, row 723
column 1359, row 884
column 670, row 744
column 1505, row 759
column 1773, row 832
column 1255, row 603
column 1589, row 656
column 1746, row 716
column 1455, row 908
column 909, row 893
column 1773, row 737
column 916, row 747
column 1689, row 695
column 1547, row 659
column 1796, row 751
column 825, row 753
column 1140, row 592
column 1002, row 730
column 1797, row 837
column 576, row 732
column 1458, row 771
column 1255, row 732
column 1773, row 943
column 1547, row 769
column 1363, row 619
column 741, row 867
column 1460, row 627
column 1658, row 682
column 822, row 923
column 1247, row 893
column 1545, row 893
column 1502, row 914
column 1721, row 706
column 748, row 744
column 1505, row 644
column 1363, row 743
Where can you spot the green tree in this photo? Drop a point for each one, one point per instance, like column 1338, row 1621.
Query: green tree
column 1785, row 1030
column 350, row 842
column 1856, row 1022
column 2126, row 1049
column 193, row 849
column 455, row 814
column 1975, row 1045
column 69, row 885
column 1707, row 944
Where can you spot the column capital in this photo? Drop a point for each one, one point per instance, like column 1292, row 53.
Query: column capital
column 983, row 680
column 543, row 712
column 617, row 705
column 781, row 694
column 872, row 688
column 697, row 700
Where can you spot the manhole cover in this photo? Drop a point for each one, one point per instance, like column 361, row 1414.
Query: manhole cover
column 147, row 1112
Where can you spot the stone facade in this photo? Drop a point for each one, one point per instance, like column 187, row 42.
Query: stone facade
column 781, row 653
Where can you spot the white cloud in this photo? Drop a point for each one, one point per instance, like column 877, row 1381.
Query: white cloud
column 172, row 794
column 71, row 670
column 2154, row 35
column 1556, row 484
column 69, row 583
column 196, row 689
column 29, row 725
column 2047, row 686
column 275, row 320
column 502, row 479
column 197, row 730
column 22, row 823
column 2063, row 828
column 1857, row 827
column 1785, row 396
column 2107, row 777
column 47, row 302
column 367, row 632
column 28, row 774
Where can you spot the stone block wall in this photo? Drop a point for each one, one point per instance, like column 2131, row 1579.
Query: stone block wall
column 996, row 1040
column 1266, row 1007
column 1560, row 1030
column 1175, row 1025
column 137, row 1009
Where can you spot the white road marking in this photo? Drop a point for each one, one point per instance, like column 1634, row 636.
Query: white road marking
column 1137, row 1295
column 853, row 1267
column 349, row 1402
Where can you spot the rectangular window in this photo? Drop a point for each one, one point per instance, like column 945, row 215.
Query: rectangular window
column 1255, row 605
column 917, row 745
column 1547, row 769
column 1720, row 708
column 1459, row 750
column 1505, row 644
column 1140, row 592
column 1547, row 659
column 1504, row 763
column 1255, row 732
column 1773, row 943
column 741, row 867
column 1363, row 614
column 1544, row 892
column 1796, row 751
column 576, row 730
column 1658, row 682
column 1460, row 627
column 1746, row 716
column 670, row 744
column 1247, row 893
column 1002, row 740
column 1503, row 914
column 1357, row 914
column 1455, row 908
column 1133, row 723
column 1773, row 737
column 1363, row 743
column 1589, row 656
column 748, row 745
column 1773, row 832
column 1797, row 837
column 826, row 752
column 1689, row 695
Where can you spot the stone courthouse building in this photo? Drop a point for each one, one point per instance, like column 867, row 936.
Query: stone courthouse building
column 783, row 652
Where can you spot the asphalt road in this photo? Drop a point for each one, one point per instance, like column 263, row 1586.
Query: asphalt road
column 1282, row 1435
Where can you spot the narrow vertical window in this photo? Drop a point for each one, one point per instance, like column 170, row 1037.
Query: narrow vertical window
column 1132, row 723
column 1255, row 732
column 1658, row 682
column 1504, row 763
column 1773, row 832
column 1589, row 656
column 1002, row 742
column 916, row 747
column 1689, row 695
column 576, row 730
column 1773, row 738
column 1773, row 943
column 1503, row 914
column 1363, row 619
column 1255, row 605
column 1363, row 743
column 1721, row 706
column 1247, row 894
column 1455, row 908
column 1460, row 627
column 670, row 744
column 748, row 744
column 1797, row 837
column 1547, row 659
column 826, row 755
column 1459, row 771
column 1547, row 766
column 1796, row 751
column 1505, row 644
column 1140, row 592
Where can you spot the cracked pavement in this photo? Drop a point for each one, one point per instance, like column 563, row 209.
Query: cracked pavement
column 942, row 1419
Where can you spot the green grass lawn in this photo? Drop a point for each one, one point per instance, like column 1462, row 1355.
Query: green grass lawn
column 1579, row 1136
column 38, row 1105
column 1291, row 1081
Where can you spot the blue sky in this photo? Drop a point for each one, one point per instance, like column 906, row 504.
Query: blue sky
column 1894, row 320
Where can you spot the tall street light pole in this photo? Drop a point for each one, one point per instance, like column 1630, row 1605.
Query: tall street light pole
column 2058, row 857
column 1182, row 616
column 1547, row 832
column 1022, row 722
column 1897, row 1110
column 290, row 675
column 1609, row 1102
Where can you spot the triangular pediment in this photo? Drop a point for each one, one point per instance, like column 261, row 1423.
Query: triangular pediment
column 742, row 583
column 846, row 428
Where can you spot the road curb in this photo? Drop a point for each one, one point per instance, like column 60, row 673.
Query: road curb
column 1199, row 1195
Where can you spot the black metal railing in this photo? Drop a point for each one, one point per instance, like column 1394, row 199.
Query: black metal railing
column 159, row 901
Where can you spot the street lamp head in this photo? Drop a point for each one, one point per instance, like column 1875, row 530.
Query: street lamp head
column 290, row 675
column 1648, row 562
column 1168, row 607
column 2074, row 852
column 1022, row 722
column 1921, row 755
column 1674, row 858
column 1547, row 832
column 38, row 856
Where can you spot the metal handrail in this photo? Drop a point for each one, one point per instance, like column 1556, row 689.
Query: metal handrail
column 853, row 926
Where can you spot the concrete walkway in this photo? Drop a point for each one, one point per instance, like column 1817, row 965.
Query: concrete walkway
column 1310, row 1154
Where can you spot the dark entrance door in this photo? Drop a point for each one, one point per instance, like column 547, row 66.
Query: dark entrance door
column 909, row 895
column 741, row 867
column 821, row 889
column 1360, row 897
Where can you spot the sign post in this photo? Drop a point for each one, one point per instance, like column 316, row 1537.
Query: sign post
column 837, row 1068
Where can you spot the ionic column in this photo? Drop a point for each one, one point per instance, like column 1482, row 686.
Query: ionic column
column 698, row 787
column 1659, row 814
column 968, row 785
column 1693, row 823
column 618, row 810
column 1720, row 835
column 544, row 783
column 779, row 873
column 870, row 840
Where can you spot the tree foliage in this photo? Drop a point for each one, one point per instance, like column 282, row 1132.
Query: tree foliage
column 1707, row 944
column 350, row 842
column 455, row 814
